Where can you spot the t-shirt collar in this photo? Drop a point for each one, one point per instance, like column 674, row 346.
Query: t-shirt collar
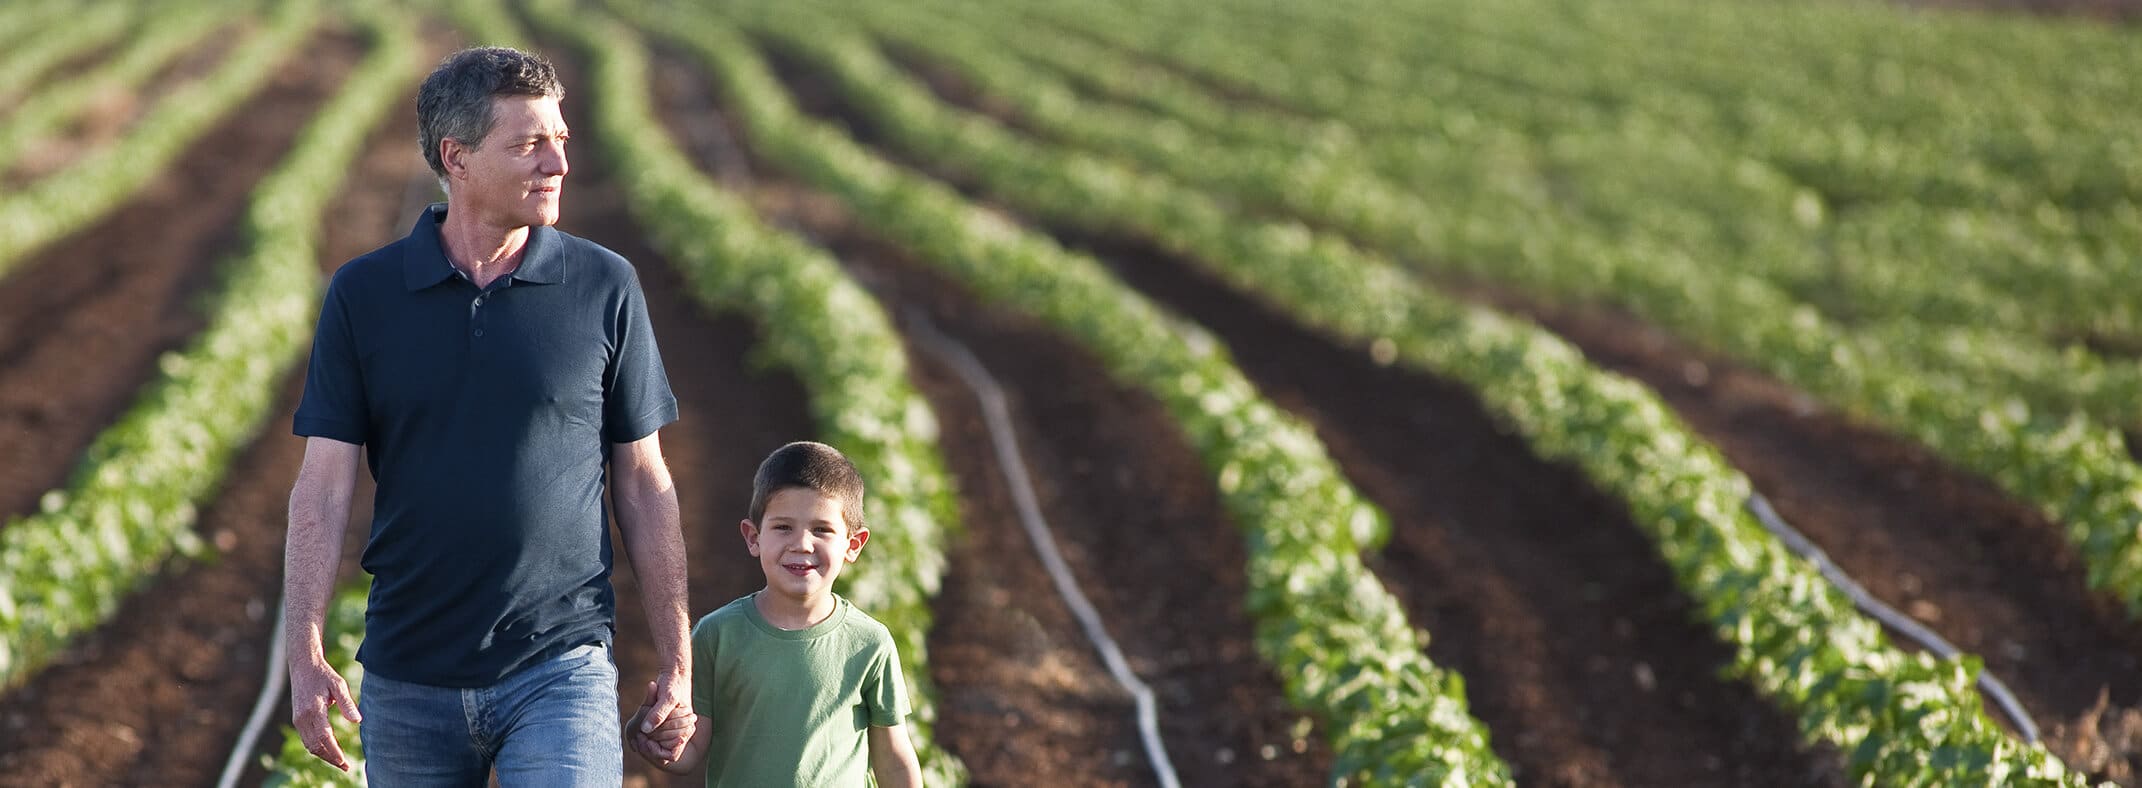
column 425, row 262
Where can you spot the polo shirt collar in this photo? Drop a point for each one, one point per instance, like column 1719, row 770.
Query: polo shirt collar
column 424, row 264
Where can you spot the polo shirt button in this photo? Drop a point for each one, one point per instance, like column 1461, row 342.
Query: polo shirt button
column 479, row 332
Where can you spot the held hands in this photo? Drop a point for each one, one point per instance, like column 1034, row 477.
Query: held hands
column 660, row 739
column 314, row 689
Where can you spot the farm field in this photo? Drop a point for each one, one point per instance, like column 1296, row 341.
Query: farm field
column 1410, row 388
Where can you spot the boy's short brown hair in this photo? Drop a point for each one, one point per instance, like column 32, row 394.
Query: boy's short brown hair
column 812, row 466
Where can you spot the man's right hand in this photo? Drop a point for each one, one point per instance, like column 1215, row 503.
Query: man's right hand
column 315, row 688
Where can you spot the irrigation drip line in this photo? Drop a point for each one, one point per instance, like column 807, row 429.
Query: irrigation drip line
column 997, row 416
column 1902, row 624
column 262, row 707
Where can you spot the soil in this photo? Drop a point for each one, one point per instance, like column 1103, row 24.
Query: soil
column 1024, row 699
column 1135, row 513
column 125, row 289
column 1521, row 603
column 170, row 680
column 1577, row 649
column 112, row 112
column 1991, row 575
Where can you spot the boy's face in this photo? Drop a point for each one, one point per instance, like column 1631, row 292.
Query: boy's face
column 802, row 541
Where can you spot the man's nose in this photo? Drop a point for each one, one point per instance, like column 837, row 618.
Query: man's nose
column 553, row 162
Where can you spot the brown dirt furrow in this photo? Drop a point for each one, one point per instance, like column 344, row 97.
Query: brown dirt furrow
column 1579, row 652
column 112, row 112
column 1948, row 548
column 83, row 321
column 1136, row 516
column 1993, row 576
column 1024, row 699
column 158, row 695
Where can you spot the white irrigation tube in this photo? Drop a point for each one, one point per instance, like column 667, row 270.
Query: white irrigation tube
column 1903, row 624
column 998, row 418
column 242, row 751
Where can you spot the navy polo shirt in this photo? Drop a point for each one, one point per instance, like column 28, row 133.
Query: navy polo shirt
column 489, row 415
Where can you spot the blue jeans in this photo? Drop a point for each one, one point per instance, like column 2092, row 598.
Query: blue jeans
column 552, row 723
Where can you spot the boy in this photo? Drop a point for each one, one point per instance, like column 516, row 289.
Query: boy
column 803, row 688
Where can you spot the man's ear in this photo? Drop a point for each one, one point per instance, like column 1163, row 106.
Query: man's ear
column 751, row 536
column 855, row 543
column 451, row 153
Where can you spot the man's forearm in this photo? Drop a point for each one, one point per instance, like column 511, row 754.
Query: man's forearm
column 311, row 555
column 654, row 541
column 312, row 550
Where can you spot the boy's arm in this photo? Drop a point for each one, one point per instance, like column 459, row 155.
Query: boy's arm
column 892, row 757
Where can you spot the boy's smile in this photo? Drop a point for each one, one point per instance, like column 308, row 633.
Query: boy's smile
column 802, row 542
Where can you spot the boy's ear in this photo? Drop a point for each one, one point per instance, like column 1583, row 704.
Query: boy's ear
column 751, row 536
column 856, row 539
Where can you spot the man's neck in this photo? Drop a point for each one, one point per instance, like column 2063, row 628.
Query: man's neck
column 481, row 251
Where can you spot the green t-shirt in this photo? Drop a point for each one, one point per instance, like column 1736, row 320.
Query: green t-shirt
column 793, row 707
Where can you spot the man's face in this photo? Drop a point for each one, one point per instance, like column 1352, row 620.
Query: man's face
column 802, row 541
column 515, row 177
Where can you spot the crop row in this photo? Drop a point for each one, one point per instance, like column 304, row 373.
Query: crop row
column 2073, row 468
column 1675, row 183
column 130, row 505
column 1630, row 169
column 85, row 32
column 92, row 186
column 1947, row 80
column 164, row 36
column 1905, row 719
column 814, row 320
column 1332, row 632
column 22, row 20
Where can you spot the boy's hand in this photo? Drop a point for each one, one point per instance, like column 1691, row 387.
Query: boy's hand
column 665, row 743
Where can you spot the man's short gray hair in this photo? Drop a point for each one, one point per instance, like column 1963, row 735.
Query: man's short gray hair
column 455, row 100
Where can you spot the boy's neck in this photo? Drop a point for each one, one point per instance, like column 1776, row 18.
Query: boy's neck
column 792, row 613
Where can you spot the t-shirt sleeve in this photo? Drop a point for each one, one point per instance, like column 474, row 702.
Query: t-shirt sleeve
column 637, row 400
column 703, row 645
column 886, row 692
column 334, row 402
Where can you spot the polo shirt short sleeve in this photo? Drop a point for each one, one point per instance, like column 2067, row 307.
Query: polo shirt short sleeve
column 487, row 415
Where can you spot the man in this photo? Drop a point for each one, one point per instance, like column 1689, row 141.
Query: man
column 493, row 366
